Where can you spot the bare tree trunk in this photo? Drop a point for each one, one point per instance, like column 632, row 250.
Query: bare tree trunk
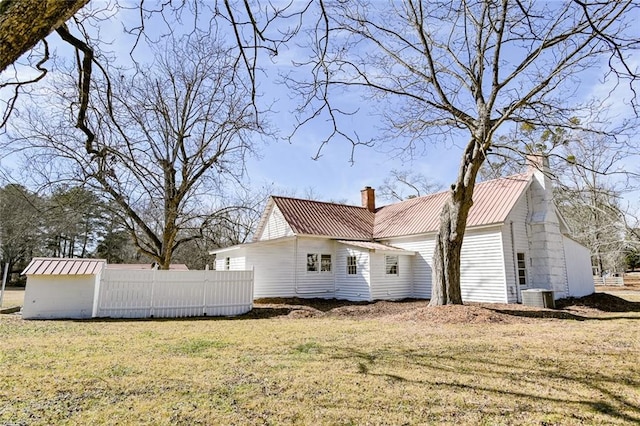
column 23, row 23
column 445, row 288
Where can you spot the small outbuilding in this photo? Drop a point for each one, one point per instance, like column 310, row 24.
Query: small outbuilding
column 61, row 288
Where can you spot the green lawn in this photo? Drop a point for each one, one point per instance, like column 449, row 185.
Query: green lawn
column 320, row 371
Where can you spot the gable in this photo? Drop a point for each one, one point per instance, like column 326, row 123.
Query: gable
column 307, row 217
column 272, row 224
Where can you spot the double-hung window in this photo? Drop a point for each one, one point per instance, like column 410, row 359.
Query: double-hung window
column 352, row 265
column 391, row 265
column 318, row 262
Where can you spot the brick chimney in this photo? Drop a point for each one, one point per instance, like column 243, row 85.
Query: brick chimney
column 368, row 198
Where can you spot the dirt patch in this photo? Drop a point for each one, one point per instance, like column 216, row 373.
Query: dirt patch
column 593, row 306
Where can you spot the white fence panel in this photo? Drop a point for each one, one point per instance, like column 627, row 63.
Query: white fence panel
column 174, row 294
column 125, row 294
column 227, row 292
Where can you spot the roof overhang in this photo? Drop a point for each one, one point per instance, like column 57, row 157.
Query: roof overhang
column 64, row 266
column 252, row 244
column 378, row 247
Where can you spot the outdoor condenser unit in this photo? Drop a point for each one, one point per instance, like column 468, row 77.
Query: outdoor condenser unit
column 538, row 297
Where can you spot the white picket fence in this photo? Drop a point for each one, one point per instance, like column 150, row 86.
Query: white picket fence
column 172, row 294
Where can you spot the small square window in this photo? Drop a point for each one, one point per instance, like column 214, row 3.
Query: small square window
column 391, row 265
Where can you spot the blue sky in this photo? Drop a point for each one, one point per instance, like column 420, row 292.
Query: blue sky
column 289, row 165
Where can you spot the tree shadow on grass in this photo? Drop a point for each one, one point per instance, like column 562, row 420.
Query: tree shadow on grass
column 469, row 371
column 602, row 301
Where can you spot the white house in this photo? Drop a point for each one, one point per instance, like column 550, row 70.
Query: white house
column 515, row 240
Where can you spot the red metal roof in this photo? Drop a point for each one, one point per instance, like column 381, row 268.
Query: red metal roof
column 492, row 202
column 61, row 266
column 307, row 217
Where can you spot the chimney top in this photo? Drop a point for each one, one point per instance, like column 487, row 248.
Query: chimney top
column 537, row 162
column 368, row 198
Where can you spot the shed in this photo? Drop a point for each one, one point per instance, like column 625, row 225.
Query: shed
column 61, row 288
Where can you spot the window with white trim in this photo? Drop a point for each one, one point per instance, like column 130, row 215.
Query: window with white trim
column 312, row 262
column 325, row 263
column 391, row 265
column 522, row 270
column 318, row 262
column 352, row 265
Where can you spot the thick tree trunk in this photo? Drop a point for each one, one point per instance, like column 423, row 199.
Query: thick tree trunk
column 23, row 23
column 445, row 289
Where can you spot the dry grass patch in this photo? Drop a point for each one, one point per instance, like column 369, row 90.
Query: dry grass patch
column 326, row 367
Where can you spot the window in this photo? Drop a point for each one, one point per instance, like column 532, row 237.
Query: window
column 352, row 265
column 312, row 262
column 227, row 263
column 522, row 270
column 391, row 264
column 325, row 263
column 318, row 262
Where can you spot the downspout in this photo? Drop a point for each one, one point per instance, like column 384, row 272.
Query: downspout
column 514, row 258
column 295, row 264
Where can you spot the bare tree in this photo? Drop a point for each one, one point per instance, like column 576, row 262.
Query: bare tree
column 458, row 69
column 404, row 184
column 589, row 194
column 20, row 225
column 160, row 139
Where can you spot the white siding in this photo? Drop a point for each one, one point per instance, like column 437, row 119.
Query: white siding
column 482, row 267
column 352, row 287
column 315, row 284
column 274, row 268
column 579, row 275
column 420, row 263
column 59, row 296
column 391, row 287
column 515, row 229
column 276, row 226
column 237, row 260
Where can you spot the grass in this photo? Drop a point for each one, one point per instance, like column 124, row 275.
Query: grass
column 319, row 371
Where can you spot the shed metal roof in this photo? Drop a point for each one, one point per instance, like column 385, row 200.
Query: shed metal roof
column 62, row 266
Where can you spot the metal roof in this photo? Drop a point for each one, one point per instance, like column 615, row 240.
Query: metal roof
column 61, row 266
column 492, row 202
column 307, row 217
column 370, row 245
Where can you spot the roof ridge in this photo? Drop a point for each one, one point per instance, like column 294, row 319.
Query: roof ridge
column 433, row 194
column 318, row 201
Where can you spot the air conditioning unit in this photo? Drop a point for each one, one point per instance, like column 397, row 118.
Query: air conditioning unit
column 538, row 297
